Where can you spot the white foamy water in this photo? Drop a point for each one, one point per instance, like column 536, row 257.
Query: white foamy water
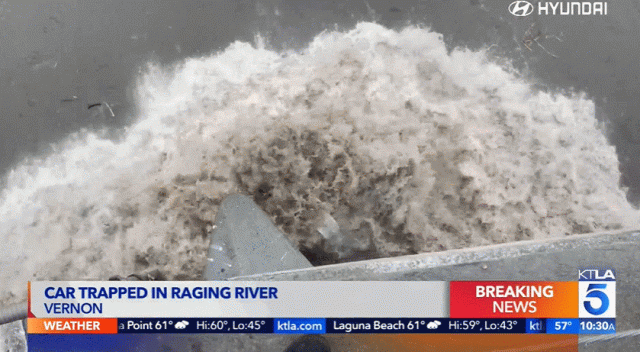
column 406, row 147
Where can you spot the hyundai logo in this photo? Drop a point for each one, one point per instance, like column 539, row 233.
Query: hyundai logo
column 521, row 8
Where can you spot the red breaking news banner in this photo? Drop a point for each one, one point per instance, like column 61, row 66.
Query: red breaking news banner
column 513, row 299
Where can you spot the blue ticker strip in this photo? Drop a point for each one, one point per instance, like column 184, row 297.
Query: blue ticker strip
column 535, row 326
column 597, row 326
column 364, row 326
column 299, row 326
column 563, row 326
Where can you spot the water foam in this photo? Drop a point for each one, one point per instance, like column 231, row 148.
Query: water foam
column 406, row 147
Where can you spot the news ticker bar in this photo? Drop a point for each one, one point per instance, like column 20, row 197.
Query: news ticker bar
column 585, row 306
column 320, row 326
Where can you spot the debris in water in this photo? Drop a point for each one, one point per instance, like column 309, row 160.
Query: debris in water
column 533, row 35
column 104, row 103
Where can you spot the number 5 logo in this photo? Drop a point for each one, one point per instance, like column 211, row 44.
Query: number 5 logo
column 595, row 291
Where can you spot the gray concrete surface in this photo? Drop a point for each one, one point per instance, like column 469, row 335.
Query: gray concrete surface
column 552, row 260
column 549, row 260
column 244, row 241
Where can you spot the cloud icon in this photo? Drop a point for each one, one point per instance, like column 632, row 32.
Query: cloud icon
column 434, row 324
column 182, row 324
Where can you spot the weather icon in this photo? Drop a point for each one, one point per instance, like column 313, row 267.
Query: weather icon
column 433, row 324
column 182, row 324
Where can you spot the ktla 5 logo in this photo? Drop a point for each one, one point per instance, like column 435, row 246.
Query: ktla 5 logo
column 597, row 299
